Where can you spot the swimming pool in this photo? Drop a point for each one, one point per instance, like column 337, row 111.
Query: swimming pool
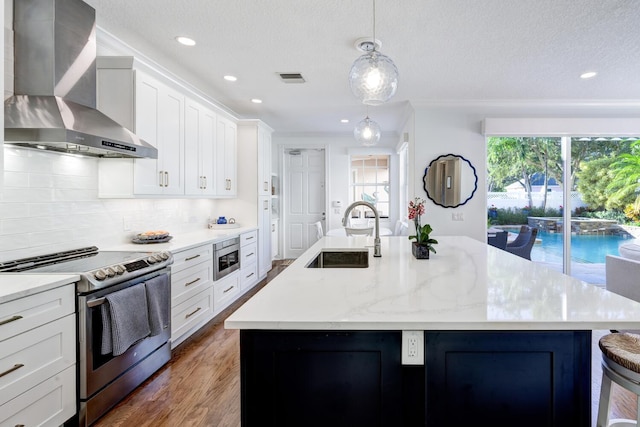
column 588, row 249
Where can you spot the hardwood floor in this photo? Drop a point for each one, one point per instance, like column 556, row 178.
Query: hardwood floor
column 200, row 385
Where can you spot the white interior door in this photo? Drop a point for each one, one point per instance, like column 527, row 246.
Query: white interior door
column 304, row 198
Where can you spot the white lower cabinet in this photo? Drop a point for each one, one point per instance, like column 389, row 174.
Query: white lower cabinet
column 189, row 316
column 191, row 291
column 38, row 358
column 249, row 274
column 50, row 403
column 225, row 291
column 195, row 297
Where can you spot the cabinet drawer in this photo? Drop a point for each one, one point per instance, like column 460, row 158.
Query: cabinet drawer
column 248, row 254
column 50, row 403
column 191, row 312
column 248, row 277
column 30, row 358
column 190, row 281
column 225, row 292
column 248, row 238
column 26, row 313
column 191, row 257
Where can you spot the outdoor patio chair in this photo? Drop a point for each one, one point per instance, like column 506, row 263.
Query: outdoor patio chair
column 498, row 239
column 523, row 244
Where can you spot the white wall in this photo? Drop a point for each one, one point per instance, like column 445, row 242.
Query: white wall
column 457, row 129
column 50, row 203
column 338, row 151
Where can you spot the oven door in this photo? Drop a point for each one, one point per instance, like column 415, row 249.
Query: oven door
column 97, row 370
column 226, row 260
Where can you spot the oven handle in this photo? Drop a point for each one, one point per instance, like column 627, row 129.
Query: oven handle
column 96, row 302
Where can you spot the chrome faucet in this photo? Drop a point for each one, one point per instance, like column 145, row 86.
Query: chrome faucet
column 376, row 241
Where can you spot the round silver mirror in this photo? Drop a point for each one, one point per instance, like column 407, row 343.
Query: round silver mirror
column 450, row 181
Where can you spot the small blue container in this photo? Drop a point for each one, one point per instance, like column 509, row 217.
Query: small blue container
column 222, row 220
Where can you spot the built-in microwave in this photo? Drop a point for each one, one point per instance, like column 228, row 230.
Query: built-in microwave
column 226, row 257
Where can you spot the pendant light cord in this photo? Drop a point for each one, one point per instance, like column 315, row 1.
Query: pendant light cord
column 374, row 24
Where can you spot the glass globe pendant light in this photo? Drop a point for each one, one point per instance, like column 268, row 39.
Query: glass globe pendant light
column 367, row 132
column 373, row 77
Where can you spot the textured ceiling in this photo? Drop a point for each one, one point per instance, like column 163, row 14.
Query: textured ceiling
column 445, row 50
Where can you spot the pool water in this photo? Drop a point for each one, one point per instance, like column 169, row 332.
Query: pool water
column 590, row 249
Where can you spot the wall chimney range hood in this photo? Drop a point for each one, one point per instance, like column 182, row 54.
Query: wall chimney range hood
column 54, row 106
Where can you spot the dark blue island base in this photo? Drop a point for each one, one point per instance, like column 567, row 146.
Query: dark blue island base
column 355, row 378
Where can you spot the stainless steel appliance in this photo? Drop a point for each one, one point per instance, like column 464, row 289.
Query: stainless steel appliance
column 226, row 257
column 104, row 379
column 54, row 106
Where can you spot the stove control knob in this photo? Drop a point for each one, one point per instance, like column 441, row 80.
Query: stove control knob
column 110, row 272
column 158, row 257
column 164, row 256
column 100, row 275
column 151, row 260
column 119, row 269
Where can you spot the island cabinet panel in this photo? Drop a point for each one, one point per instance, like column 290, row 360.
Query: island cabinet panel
column 508, row 378
column 296, row 378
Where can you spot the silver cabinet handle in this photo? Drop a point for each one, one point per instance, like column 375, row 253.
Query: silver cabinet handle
column 166, row 174
column 266, row 186
column 193, row 312
column 161, row 179
column 15, row 368
column 266, row 205
column 249, row 275
column 205, row 182
column 10, row 319
column 191, row 257
column 249, row 238
column 192, row 282
column 228, row 289
column 248, row 255
column 273, row 228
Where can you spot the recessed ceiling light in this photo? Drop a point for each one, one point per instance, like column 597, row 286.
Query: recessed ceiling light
column 230, row 78
column 186, row 41
column 256, row 101
column 344, row 121
column 588, row 75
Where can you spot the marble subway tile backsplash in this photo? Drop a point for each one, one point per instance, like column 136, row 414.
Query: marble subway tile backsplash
column 49, row 203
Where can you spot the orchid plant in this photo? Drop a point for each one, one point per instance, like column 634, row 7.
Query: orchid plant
column 416, row 209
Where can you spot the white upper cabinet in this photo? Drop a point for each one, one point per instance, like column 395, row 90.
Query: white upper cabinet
column 197, row 149
column 264, row 161
column 159, row 120
column 200, row 146
column 226, row 158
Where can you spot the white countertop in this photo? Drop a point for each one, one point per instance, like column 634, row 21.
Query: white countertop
column 19, row 285
column 467, row 285
column 184, row 241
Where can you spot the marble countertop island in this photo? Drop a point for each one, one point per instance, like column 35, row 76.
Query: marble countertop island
column 466, row 285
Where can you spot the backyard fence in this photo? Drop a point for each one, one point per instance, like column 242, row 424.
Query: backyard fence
column 519, row 200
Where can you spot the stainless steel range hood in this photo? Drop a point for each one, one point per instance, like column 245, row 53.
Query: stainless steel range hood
column 54, row 106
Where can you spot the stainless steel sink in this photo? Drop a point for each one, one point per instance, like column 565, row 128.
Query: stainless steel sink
column 341, row 258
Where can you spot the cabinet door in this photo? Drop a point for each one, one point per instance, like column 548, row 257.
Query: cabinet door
column 264, row 235
column 146, row 174
column 264, row 162
column 274, row 237
column 200, row 137
column 171, row 133
column 207, row 151
column 226, row 147
column 159, row 121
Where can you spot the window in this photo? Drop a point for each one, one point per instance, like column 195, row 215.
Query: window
column 370, row 183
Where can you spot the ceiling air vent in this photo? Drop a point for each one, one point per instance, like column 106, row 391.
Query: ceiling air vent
column 291, row 77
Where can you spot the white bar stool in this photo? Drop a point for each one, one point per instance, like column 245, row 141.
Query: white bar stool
column 620, row 364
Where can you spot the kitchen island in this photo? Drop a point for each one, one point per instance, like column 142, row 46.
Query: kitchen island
column 505, row 341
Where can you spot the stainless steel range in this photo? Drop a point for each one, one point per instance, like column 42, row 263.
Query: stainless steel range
column 107, row 374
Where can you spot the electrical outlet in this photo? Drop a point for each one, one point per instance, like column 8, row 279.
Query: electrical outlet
column 457, row 216
column 413, row 347
column 126, row 224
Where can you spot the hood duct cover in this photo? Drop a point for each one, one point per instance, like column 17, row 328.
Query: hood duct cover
column 54, row 106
